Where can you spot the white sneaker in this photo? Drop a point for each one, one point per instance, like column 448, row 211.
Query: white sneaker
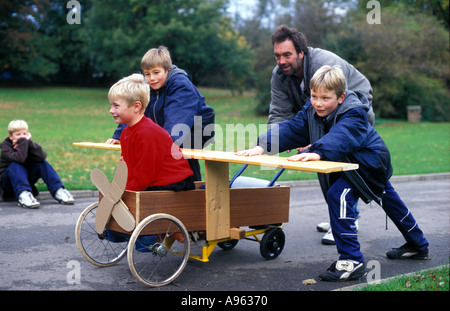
column 328, row 238
column 323, row 227
column 27, row 200
column 343, row 270
column 64, row 197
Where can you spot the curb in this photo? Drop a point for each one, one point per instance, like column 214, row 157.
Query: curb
column 78, row 194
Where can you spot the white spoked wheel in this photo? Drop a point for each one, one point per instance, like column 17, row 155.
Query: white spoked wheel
column 104, row 249
column 158, row 250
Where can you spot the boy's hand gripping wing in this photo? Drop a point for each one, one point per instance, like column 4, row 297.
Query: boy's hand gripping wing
column 111, row 204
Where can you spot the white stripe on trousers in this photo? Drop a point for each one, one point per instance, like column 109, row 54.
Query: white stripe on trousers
column 343, row 206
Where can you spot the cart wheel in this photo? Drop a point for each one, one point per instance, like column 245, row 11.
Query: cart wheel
column 158, row 250
column 227, row 245
column 99, row 249
column 272, row 243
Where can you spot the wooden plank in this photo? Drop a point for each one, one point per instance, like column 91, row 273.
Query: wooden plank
column 217, row 200
column 270, row 161
column 262, row 160
column 97, row 145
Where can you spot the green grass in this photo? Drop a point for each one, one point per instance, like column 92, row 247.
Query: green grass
column 435, row 279
column 60, row 116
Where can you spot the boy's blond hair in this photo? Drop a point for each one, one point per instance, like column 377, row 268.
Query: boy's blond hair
column 157, row 57
column 16, row 125
column 132, row 88
column 330, row 78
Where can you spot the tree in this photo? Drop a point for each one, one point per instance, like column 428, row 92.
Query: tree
column 406, row 58
column 25, row 49
column 200, row 38
column 436, row 8
column 38, row 42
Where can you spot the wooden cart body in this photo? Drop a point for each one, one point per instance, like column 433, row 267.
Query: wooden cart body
column 248, row 207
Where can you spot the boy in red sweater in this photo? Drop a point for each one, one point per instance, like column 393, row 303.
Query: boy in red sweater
column 154, row 162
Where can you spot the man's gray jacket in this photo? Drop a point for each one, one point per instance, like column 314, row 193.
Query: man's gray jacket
column 286, row 93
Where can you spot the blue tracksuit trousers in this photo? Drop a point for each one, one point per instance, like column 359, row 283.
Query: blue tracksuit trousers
column 17, row 178
column 341, row 202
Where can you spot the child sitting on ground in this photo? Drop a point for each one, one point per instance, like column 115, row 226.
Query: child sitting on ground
column 334, row 127
column 154, row 162
column 22, row 163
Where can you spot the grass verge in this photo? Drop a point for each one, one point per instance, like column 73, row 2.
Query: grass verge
column 435, row 279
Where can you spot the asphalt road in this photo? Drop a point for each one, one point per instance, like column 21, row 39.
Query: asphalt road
column 38, row 250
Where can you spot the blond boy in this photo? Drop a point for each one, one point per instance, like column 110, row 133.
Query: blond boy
column 22, row 163
column 333, row 126
column 154, row 162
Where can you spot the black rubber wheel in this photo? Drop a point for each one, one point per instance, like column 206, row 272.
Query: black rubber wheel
column 227, row 245
column 272, row 243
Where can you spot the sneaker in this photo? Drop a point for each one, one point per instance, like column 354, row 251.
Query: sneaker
column 328, row 238
column 27, row 200
column 406, row 251
column 64, row 197
column 343, row 270
column 323, row 227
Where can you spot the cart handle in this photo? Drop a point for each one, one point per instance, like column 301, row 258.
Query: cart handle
column 270, row 184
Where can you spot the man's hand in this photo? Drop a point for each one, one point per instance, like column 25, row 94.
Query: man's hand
column 251, row 152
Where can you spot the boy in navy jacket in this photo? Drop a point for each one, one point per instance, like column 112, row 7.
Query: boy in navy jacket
column 333, row 126
column 175, row 104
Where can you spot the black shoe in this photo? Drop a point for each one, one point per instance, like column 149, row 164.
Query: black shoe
column 343, row 270
column 406, row 251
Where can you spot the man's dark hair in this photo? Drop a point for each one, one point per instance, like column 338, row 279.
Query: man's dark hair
column 283, row 33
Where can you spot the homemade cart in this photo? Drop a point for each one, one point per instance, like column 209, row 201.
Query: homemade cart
column 155, row 229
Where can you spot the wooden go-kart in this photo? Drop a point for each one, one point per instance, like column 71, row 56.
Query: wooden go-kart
column 155, row 229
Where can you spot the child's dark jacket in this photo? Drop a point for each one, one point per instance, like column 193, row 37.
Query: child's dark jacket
column 179, row 102
column 344, row 136
column 26, row 151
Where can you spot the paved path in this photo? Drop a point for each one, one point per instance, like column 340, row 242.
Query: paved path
column 38, row 249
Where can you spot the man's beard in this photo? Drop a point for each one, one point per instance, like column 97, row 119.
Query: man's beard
column 294, row 68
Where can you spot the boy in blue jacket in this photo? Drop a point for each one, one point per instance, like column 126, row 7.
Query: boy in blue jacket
column 175, row 104
column 334, row 127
